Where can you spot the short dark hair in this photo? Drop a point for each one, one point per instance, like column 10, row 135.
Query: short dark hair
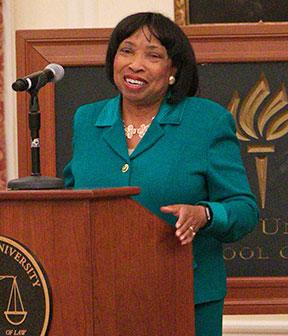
column 171, row 36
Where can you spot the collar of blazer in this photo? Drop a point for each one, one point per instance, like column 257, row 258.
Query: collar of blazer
column 168, row 114
column 110, row 120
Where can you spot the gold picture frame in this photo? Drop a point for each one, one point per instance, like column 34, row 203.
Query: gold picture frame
column 182, row 16
column 181, row 11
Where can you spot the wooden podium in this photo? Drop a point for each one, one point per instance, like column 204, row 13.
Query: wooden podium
column 114, row 268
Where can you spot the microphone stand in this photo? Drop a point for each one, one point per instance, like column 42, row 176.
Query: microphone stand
column 35, row 181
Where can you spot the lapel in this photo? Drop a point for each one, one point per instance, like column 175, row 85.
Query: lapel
column 113, row 135
column 168, row 114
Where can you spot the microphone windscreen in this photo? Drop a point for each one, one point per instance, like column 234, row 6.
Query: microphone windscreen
column 57, row 70
column 19, row 85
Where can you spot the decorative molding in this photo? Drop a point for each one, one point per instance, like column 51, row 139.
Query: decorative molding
column 257, row 295
column 247, row 42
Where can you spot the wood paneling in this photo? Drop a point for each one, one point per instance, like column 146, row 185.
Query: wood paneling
column 110, row 274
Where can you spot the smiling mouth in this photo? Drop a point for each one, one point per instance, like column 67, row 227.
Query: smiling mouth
column 134, row 82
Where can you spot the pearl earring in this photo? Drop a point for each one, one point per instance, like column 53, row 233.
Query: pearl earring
column 172, row 80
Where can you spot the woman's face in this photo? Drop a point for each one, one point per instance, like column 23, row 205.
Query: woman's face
column 142, row 69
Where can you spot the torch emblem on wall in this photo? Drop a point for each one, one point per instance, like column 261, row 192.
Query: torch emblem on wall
column 260, row 120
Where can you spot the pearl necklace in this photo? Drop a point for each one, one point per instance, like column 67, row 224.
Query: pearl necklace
column 130, row 130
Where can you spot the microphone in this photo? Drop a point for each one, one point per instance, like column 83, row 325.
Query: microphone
column 51, row 73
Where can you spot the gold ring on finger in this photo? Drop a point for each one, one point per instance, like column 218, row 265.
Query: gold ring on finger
column 192, row 230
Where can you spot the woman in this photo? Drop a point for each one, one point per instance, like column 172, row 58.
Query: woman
column 181, row 150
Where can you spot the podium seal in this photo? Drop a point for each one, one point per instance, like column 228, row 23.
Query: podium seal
column 25, row 305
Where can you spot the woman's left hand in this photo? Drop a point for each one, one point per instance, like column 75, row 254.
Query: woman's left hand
column 191, row 218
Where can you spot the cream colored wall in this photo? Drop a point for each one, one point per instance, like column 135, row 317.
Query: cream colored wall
column 84, row 13
column 37, row 14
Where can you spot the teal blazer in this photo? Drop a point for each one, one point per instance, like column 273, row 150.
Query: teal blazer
column 190, row 155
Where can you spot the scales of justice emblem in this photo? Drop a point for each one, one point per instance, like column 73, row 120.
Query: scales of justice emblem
column 15, row 313
column 25, row 297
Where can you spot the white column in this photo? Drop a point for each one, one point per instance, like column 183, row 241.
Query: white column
column 255, row 325
column 9, row 96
